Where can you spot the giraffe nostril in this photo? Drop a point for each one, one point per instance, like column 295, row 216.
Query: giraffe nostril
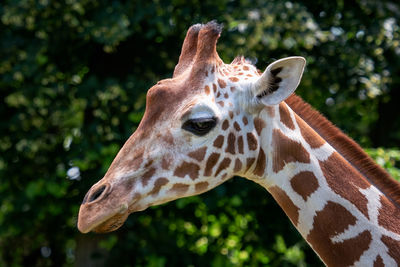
column 97, row 194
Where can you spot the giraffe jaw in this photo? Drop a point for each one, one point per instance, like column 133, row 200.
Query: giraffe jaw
column 116, row 221
column 101, row 222
column 106, row 222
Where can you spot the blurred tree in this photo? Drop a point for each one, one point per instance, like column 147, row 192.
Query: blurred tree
column 73, row 78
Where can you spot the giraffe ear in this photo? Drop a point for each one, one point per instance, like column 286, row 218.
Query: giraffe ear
column 279, row 80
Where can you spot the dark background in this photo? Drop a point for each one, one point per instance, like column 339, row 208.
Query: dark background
column 73, row 79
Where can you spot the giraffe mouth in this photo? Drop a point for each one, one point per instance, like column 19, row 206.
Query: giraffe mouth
column 107, row 223
column 116, row 221
column 111, row 224
column 90, row 219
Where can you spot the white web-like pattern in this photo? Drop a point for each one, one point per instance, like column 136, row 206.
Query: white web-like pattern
column 323, row 194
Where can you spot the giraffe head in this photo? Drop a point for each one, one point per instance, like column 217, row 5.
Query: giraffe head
column 200, row 128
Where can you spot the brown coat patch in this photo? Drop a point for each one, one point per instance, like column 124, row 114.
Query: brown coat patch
column 187, row 168
column 179, row 188
column 214, row 87
column 221, row 83
column 147, row 176
column 233, row 79
column 389, row 215
column 148, row 163
column 207, row 89
column 132, row 163
column 378, row 262
column 198, row 154
column 219, row 141
column 329, row 222
column 291, row 210
column 286, row 150
column 211, row 161
column 249, row 163
column 260, row 164
column 126, row 187
column 309, row 135
column 221, row 103
column 231, row 114
column 225, row 125
column 252, row 141
column 245, row 120
column 157, row 185
column 168, row 138
column 238, row 166
column 259, row 124
column 236, row 126
column 233, row 89
column 304, row 184
column 240, row 144
column 393, row 248
column 201, row 187
column 166, row 162
column 344, row 180
column 230, row 148
column 285, row 116
column 223, row 165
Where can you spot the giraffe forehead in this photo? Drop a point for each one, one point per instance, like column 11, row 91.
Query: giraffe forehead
column 188, row 95
column 168, row 96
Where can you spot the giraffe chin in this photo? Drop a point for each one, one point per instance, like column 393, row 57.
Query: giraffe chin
column 116, row 221
column 112, row 223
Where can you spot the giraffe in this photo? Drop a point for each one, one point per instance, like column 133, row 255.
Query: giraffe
column 212, row 121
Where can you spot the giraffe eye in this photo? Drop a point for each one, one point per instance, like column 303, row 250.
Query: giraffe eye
column 199, row 126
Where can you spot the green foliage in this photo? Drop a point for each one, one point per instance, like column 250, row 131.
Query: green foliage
column 73, row 78
column 388, row 158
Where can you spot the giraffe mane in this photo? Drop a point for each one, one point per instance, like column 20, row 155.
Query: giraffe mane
column 347, row 147
column 241, row 60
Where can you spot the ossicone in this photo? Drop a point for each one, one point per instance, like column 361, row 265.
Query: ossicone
column 199, row 47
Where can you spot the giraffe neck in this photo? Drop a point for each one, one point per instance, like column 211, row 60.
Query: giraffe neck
column 342, row 215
